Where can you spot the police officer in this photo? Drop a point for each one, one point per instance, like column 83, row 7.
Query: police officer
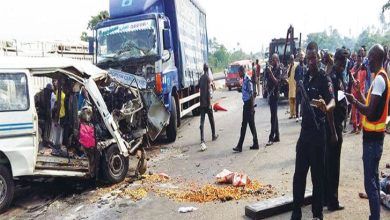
column 248, row 112
column 310, row 150
column 334, row 133
column 273, row 77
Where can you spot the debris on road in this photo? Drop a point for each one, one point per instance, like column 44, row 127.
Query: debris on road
column 187, row 209
column 209, row 192
column 240, row 179
column 237, row 179
column 79, row 208
column 226, row 176
column 164, row 186
column 136, row 194
column 162, row 176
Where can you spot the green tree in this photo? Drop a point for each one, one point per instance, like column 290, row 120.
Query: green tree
column 103, row 15
column 219, row 56
column 330, row 40
column 386, row 6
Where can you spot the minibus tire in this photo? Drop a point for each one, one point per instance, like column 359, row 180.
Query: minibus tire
column 6, row 178
column 114, row 165
column 171, row 130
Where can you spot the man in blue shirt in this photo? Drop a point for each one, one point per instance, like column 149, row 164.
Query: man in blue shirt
column 248, row 113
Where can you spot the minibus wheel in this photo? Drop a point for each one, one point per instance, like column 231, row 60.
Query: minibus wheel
column 114, row 165
column 7, row 188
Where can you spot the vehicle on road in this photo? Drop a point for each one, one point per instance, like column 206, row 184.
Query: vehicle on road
column 233, row 79
column 137, row 116
column 164, row 41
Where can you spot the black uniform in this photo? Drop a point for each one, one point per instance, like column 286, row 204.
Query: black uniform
column 333, row 150
column 273, row 95
column 310, row 150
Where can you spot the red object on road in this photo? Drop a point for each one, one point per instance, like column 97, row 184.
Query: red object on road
column 217, row 107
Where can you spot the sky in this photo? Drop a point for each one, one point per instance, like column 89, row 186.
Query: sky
column 251, row 23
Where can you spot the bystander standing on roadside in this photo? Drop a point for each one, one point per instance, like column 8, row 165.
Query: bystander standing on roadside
column 291, row 86
column 387, row 62
column 300, row 71
column 248, row 112
column 254, row 79
column 328, row 61
column 205, row 106
column 273, row 77
column 359, row 72
column 258, row 70
column 374, row 109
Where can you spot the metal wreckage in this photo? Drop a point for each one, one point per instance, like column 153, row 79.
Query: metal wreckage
column 122, row 113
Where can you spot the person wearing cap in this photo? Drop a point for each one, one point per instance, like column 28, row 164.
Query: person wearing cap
column 334, row 133
column 248, row 111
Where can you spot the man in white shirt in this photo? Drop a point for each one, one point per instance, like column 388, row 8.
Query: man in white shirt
column 375, row 110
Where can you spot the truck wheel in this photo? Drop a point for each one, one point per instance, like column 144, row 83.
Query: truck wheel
column 7, row 188
column 114, row 165
column 196, row 112
column 172, row 126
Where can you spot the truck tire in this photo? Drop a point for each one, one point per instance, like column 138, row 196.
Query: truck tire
column 171, row 130
column 196, row 112
column 7, row 188
column 114, row 165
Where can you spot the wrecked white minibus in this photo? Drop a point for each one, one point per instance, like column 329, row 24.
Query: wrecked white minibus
column 27, row 145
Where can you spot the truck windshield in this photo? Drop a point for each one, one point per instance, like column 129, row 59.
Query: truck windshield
column 129, row 40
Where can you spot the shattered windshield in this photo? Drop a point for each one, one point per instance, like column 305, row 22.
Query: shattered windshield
column 130, row 40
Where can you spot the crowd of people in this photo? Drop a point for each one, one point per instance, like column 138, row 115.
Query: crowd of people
column 325, row 90
column 65, row 121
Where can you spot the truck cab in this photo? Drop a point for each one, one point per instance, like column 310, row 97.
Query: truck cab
column 25, row 150
column 163, row 41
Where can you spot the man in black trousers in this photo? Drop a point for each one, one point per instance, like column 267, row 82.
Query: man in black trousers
column 334, row 133
column 205, row 106
column 310, row 150
column 273, row 76
column 248, row 112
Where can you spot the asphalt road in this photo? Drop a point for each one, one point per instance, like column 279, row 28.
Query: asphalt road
column 183, row 160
